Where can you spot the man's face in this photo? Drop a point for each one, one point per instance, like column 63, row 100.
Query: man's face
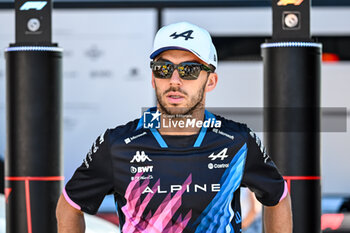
column 178, row 96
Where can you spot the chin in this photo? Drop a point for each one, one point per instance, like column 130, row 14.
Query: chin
column 176, row 109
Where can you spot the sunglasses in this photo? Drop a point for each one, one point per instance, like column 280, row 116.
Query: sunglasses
column 187, row 70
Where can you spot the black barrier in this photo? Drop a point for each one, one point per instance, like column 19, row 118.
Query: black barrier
column 292, row 81
column 33, row 173
column 292, row 67
column 33, row 158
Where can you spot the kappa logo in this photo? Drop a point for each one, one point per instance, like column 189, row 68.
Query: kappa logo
column 140, row 157
column 222, row 155
column 33, row 5
column 287, row 2
column 186, row 35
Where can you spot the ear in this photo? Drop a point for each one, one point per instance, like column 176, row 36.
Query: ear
column 211, row 82
column 153, row 84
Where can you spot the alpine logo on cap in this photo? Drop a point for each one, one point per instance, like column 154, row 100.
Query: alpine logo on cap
column 186, row 35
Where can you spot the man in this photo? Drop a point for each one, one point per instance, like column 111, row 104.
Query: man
column 179, row 168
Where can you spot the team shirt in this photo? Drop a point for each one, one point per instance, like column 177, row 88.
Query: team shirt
column 176, row 183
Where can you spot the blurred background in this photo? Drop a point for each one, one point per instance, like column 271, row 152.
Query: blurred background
column 107, row 80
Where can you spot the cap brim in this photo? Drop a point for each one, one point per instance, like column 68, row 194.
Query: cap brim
column 159, row 51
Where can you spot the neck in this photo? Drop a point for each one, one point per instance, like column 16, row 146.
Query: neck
column 176, row 124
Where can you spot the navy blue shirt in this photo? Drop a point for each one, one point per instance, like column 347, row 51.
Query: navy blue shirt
column 176, row 183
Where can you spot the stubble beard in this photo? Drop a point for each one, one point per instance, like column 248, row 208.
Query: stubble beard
column 196, row 102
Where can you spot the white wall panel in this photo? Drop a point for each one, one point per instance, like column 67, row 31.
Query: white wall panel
column 258, row 21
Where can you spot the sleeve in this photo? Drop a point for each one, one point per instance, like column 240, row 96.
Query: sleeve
column 93, row 179
column 261, row 175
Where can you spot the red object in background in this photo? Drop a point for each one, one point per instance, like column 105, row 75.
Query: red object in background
column 26, row 180
column 290, row 178
column 110, row 217
column 330, row 57
column 331, row 221
column 7, row 193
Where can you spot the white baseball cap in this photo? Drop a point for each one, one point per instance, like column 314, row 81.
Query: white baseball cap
column 185, row 36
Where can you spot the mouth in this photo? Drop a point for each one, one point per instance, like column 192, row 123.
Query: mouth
column 175, row 97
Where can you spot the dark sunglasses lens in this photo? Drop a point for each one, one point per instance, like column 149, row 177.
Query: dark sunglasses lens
column 162, row 69
column 189, row 71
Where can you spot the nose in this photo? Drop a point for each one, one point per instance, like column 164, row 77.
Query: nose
column 175, row 78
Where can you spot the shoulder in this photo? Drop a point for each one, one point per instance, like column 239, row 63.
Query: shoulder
column 232, row 126
column 123, row 131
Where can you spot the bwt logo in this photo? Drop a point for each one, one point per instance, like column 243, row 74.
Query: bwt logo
column 151, row 120
column 33, row 5
column 141, row 169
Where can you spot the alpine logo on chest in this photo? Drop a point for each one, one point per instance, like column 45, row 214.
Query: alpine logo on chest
column 221, row 155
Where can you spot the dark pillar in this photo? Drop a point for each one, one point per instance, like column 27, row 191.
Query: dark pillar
column 292, row 63
column 33, row 174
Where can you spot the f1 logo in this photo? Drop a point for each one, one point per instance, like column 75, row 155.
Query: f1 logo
column 33, row 5
column 287, row 2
